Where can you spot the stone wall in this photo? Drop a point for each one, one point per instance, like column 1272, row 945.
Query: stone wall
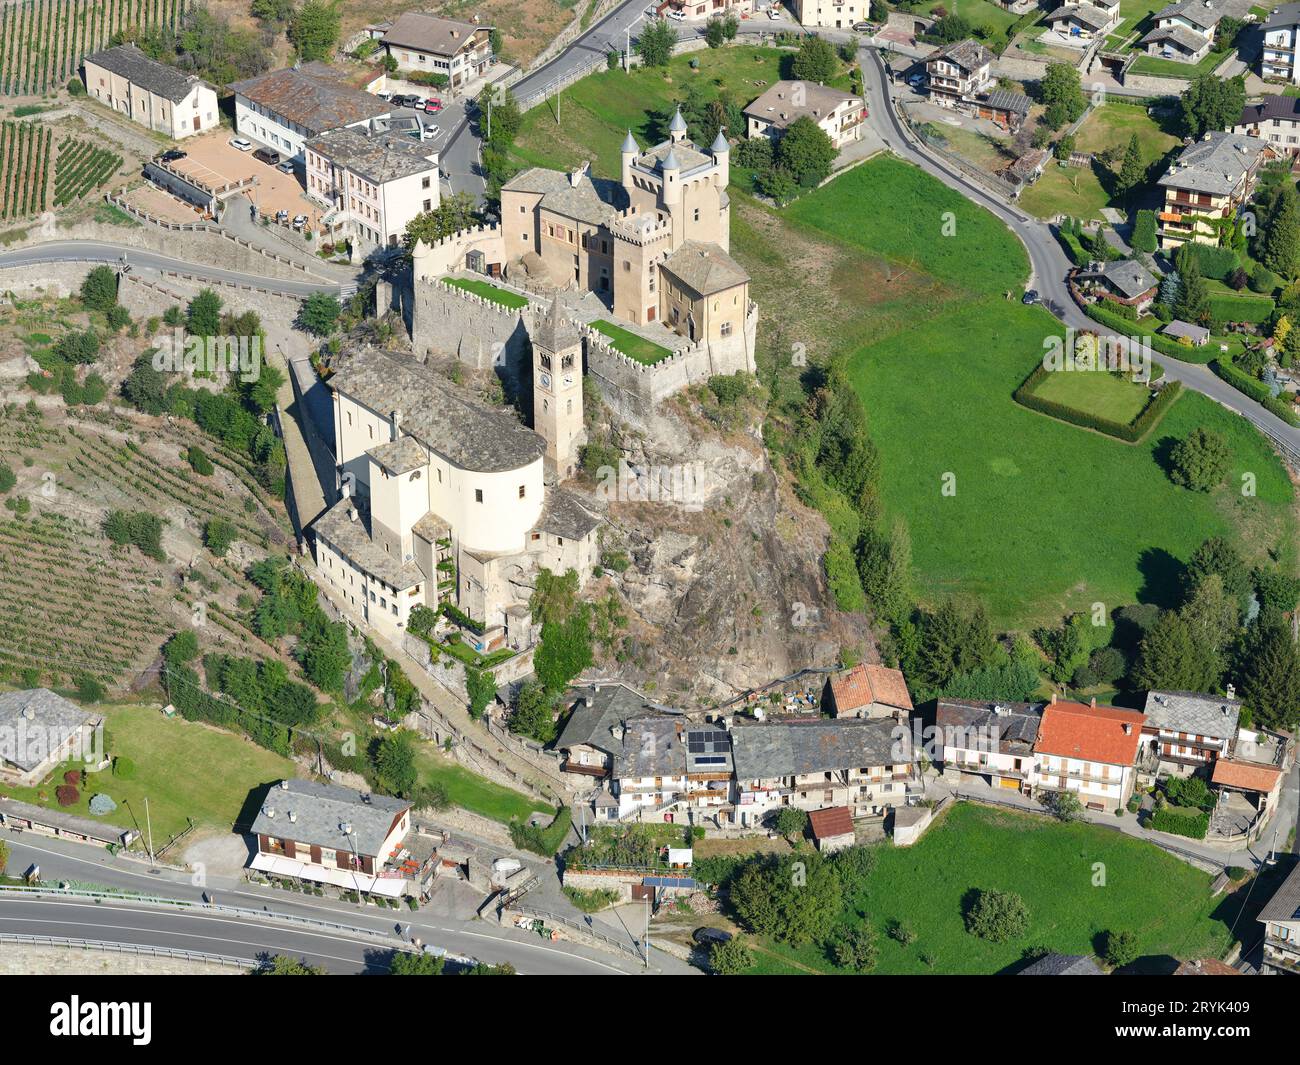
column 431, row 261
column 480, row 333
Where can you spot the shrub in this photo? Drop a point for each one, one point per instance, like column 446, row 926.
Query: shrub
column 1131, row 432
column 1257, row 391
column 543, row 840
column 855, row 948
column 99, row 289
column 1200, row 460
column 998, row 916
column 1121, row 948
column 1235, row 872
column 1215, row 262
column 199, row 462
column 218, row 535
column 89, row 690
column 1193, row 824
column 1262, row 279
column 66, row 794
column 7, row 478
column 731, row 958
column 123, row 768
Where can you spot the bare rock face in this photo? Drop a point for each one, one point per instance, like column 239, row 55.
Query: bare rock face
column 725, row 590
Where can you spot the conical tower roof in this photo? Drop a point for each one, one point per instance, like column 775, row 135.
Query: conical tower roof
column 555, row 332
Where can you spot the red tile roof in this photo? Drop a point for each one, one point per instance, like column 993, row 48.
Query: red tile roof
column 863, row 685
column 1246, row 775
column 833, row 821
column 1090, row 733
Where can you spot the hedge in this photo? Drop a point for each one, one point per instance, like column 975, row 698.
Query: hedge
column 1073, row 249
column 545, row 841
column 1131, row 432
column 1215, row 262
column 1162, row 344
column 1252, row 309
column 1193, row 824
column 1256, row 390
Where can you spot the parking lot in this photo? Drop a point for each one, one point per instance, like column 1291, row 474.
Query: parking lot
column 212, row 160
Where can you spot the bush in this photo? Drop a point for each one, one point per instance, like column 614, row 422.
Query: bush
column 67, row 794
column 998, row 916
column 1200, row 460
column 7, row 478
column 199, row 462
column 123, row 768
column 1193, row 824
column 731, row 958
column 1121, row 948
column 543, row 840
column 1257, row 391
column 218, row 535
column 89, row 690
column 75, row 88
column 1262, row 279
column 1215, row 262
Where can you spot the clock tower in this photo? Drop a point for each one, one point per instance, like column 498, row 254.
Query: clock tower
column 557, row 390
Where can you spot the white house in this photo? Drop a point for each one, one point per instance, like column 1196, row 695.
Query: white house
column 1085, row 21
column 959, row 73
column 1090, row 751
column 151, row 93
column 1274, row 120
column 459, row 51
column 836, row 14
column 374, row 184
column 1280, row 57
column 1184, row 31
column 992, row 742
column 839, row 114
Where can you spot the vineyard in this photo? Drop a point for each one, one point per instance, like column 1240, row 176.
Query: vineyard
column 42, row 42
column 25, row 173
column 80, row 168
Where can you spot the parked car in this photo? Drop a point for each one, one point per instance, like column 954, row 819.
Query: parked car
column 385, row 95
column 863, row 27
column 267, row 156
column 286, row 167
column 431, row 132
column 773, row 14
column 240, row 144
column 282, row 216
column 299, row 220
column 706, row 936
column 676, row 16
column 1030, row 297
column 416, row 101
column 432, row 105
column 172, row 154
column 916, row 80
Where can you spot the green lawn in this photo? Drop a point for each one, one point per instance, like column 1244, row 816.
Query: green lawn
column 489, row 291
column 1171, row 68
column 978, row 12
column 473, row 792
column 1105, row 395
column 630, row 344
column 185, row 768
column 1054, row 868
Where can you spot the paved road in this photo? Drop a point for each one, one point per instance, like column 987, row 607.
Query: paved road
column 103, row 252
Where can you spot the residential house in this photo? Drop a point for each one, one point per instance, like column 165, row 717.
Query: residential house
column 445, row 499
column 868, row 691
column 39, row 731
column 1194, row 335
column 1206, row 967
column 1085, row 21
column 1186, row 731
column 459, row 51
column 704, row 9
column 649, row 772
column 1274, row 120
column 959, row 73
column 988, row 742
column 865, row 765
column 1089, row 751
column 1281, row 920
column 1280, row 57
column 1124, row 281
column 1184, row 31
column 1259, row 784
column 593, row 732
column 342, row 837
column 1063, row 965
column 1211, row 180
column 373, row 184
column 840, row 115
column 283, row 109
column 151, row 93
column 836, row 14
column 832, row 829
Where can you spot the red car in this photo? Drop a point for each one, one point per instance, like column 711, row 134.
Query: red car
column 432, row 106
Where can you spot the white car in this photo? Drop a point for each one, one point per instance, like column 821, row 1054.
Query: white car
column 240, row 144
column 676, row 16
column 773, row 14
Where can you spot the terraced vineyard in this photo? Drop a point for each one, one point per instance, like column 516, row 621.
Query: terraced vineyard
column 24, row 168
column 42, row 42
column 80, row 168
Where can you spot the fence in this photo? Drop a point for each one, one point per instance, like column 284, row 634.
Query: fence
column 124, row 948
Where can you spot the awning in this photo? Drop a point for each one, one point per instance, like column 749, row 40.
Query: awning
column 341, row 878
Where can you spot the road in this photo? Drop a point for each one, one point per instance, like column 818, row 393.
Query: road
column 104, row 252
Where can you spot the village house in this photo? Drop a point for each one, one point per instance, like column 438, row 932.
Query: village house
column 868, row 691
column 19, row 816
column 445, row 499
column 342, row 837
column 989, row 743
column 1063, row 965
column 283, row 109
column 836, row 14
column 372, row 184
column 1281, row 920
column 1195, row 336
column 866, row 766
column 1280, row 57
column 39, row 731
column 832, row 829
column 1089, row 751
column 1211, row 179
column 593, row 732
column 1123, row 281
column 1186, row 731
column 1249, row 778
column 1184, row 31
column 459, row 51
column 1085, row 21
column 959, row 73
column 705, row 8
column 1275, row 120
column 1001, row 107
column 840, row 115
column 153, row 94
column 649, row 772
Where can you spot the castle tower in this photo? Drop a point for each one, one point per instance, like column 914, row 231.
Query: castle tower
column 629, row 151
column 721, row 152
column 677, row 127
column 557, row 390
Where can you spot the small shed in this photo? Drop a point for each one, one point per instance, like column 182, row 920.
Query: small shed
column 1196, row 335
column 832, row 828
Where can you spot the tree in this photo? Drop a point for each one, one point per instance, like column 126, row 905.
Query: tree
column 1062, row 93
column 272, row 12
column 1216, row 555
column 1121, row 948
column 452, row 214
column 655, row 46
column 805, row 152
column 1280, row 246
column 815, row 61
column 1131, row 171
column 1144, row 232
column 203, row 315
column 715, row 34
column 89, row 690
column 218, row 535
column 998, row 916
column 405, row 963
column 1211, row 103
column 482, row 688
column 324, row 652
column 730, row 958
column 791, row 821
column 1063, row 805
column 1269, row 668
column 99, row 289
column 791, row 897
column 1193, row 302
column 319, row 314
column 314, row 29
column 1171, row 659
column 884, row 566
column 7, row 478
column 855, row 949
column 395, row 764
column 951, row 28
column 777, row 185
column 81, row 347
column 534, row 712
column 283, row 965
column 1200, row 460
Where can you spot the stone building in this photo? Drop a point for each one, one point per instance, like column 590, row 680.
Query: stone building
column 153, row 94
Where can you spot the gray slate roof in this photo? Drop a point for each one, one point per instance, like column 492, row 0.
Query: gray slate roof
column 781, row 749
column 1014, row 724
column 591, row 200
column 704, row 267
column 1197, row 334
column 36, row 722
column 1271, row 107
column 1193, row 712
column 1084, row 14
column 563, row 515
column 400, row 456
column 381, row 158
column 652, row 747
column 1126, row 276
column 597, row 711
column 84, row 826
column 1285, row 15
column 428, row 33
column 1004, row 100
column 461, row 430
column 1285, row 903
column 320, row 811
column 1197, row 12
column 777, row 105
column 970, row 55
column 353, row 538
column 1063, row 965
column 127, row 61
column 1187, row 40
column 1215, row 163
column 315, row 96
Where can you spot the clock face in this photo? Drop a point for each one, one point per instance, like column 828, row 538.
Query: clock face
column 546, row 380
column 568, row 380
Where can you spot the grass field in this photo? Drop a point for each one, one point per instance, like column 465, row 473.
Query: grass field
column 935, row 353
column 1054, row 867
column 631, row 345
column 980, row 13
column 1077, row 191
column 489, row 292
column 185, row 768
column 473, row 792
column 1105, row 395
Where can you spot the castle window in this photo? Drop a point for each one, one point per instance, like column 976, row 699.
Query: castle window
column 726, row 329
column 478, row 495
column 697, row 214
column 546, row 361
column 522, row 209
column 522, row 491
column 567, row 362
column 627, row 265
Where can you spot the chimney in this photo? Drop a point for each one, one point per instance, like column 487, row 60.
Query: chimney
column 1093, row 703
column 1232, row 691
column 397, row 424
column 352, row 513
column 284, row 785
column 293, row 816
column 269, row 811
column 345, row 489
column 1053, row 698
column 1128, row 729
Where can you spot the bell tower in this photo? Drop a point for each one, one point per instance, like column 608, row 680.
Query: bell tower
column 557, row 390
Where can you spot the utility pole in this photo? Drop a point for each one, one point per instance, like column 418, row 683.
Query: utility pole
column 148, row 827
column 645, row 949
column 627, row 55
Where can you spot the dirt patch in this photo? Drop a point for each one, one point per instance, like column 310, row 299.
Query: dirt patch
column 218, row 854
